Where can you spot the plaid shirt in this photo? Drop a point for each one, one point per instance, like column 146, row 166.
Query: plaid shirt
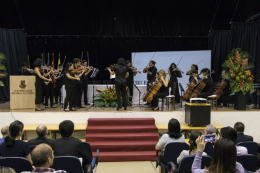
column 45, row 170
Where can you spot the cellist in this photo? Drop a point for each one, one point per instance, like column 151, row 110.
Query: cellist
column 226, row 91
column 207, row 91
column 164, row 90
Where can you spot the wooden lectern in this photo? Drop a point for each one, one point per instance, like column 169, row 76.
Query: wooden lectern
column 22, row 92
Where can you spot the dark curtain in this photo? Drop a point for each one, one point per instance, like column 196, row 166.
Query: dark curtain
column 13, row 45
column 220, row 46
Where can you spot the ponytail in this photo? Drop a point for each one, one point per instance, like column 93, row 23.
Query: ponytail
column 14, row 129
column 9, row 141
column 192, row 141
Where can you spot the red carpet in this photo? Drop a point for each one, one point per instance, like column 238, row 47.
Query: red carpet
column 123, row 139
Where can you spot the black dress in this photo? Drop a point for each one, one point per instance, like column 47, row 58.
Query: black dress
column 163, row 92
column 39, row 90
column 174, row 75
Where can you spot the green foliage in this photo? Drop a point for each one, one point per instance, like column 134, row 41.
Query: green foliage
column 107, row 97
column 2, row 68
column 239, row 71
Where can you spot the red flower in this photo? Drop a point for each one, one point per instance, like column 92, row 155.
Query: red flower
column 114, row 96
column 107, row 87
column 98, row 90
column 238, row 70
column 247, row 69
column 234, row 77
column 244, row 73
column 1, row 74
column 241, row 64
column 108, row 96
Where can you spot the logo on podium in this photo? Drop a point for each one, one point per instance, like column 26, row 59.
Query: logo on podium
column 22, row 85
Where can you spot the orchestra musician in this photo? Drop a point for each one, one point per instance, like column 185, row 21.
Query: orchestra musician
column 194, row 69
column 164, row 90
column 121, row 71
column 85, row 81
column 207, row 91
column 226, row 91
column 39, row 83
column 24, row 70
column 58, row 85
column 174, row 73
column 69, row 87
column 151, row 72
column 130, row 79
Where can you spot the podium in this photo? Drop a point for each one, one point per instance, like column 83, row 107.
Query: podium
column 22, row 92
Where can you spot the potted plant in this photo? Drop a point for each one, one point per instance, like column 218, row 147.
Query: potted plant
column 2, row 69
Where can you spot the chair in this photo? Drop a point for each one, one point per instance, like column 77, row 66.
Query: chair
column 249, row 162
column 19, row 164
column 186, row 164
column 94, row 162
column 32, row 147
column 212, row 99
column 252, row 147
column 168, row 98
column 209, row 149
column 171, row 153
column 71, row 164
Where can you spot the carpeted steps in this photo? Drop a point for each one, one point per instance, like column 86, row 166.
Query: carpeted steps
column 123, row 139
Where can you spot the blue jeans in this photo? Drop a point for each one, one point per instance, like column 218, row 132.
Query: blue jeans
column 254, row 97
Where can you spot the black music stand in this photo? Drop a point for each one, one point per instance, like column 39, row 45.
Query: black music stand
column 182, row 90
column 139, row 94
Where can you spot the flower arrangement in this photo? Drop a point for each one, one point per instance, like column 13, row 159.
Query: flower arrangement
column 107, row 97
column 239, row 74
column 2, row 68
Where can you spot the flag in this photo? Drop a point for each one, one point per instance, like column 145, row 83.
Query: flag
column 48, row 62
column 52, row 65
column 58, row 67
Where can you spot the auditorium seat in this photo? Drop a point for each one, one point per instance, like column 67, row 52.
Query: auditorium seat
column 71, row 164
column 19, row 164
column 252, row 147
column 249, row 162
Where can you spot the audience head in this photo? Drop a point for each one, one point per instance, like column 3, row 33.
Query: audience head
column 192, row 141
column 5, row 131
column 121, row 61
column 174, row 128
column 15, row 130
column 239, row 127
column 42, row 130
column 224, row 157
column 66, row 128
column 210, row 129
column 229, row 133
column 42, row 156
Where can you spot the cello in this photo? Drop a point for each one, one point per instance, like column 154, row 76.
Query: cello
column 220, row 89
column 189, row 90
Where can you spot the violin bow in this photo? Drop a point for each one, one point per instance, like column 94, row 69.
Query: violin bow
column 179, row 61
column 200, row 62
column 64, row 61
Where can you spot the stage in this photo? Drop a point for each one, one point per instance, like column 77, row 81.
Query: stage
column 223, row 116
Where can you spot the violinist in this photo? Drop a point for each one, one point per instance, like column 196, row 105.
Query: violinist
column 49, row 86
column 69, row 87
column 207, row 91
column 174, row 73
column 151, row 72
column 194, row 69
column 130, row 79
column 121, row 71
column 39, row 83
column 24, row 70
column 164, row 90
column 58, row 85
column 226, row 91
column 78, row 84
column 85, row 82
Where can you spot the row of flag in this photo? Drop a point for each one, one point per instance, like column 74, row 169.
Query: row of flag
column 48, row 62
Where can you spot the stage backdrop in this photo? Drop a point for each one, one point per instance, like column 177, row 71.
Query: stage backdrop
column 164, row 59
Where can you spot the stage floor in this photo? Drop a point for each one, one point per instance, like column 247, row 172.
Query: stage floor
column 223, row 116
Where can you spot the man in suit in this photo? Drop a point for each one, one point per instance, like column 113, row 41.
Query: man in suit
column 69, row 146
column 241, row 137
column 42, row 133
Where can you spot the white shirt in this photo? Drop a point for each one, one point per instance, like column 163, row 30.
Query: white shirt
column 241, row 150
column 186, row 153
column 165, row 139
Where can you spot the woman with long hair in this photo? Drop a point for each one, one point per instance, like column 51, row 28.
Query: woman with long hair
column 174, row 73
column 173, row 135
column 224, row 159
column 163, row 92
column 13, row 146
column 193, row 146
column 39, row 83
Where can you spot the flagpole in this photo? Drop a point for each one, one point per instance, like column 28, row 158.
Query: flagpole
column 29, row 62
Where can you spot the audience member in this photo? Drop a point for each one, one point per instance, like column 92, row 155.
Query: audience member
column 210, row 129
column 223, row 159
column 13, row 146
column 230, row 133
column 240, row 127
column 193, row 146
column 6, row 170
column 69, row 146
column 5, row 132
column 42, row 157
column 173, row 135
column 42, row 133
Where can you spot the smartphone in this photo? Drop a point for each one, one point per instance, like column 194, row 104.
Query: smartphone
column 209, row 138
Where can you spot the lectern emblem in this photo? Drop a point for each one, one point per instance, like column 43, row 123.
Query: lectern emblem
column 22, row 85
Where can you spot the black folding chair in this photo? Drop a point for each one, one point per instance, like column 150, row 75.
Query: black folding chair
column 70, row 164
column 249, row 162
column 32, row 147
column 19, row 164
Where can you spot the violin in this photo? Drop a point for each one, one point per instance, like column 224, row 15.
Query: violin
column 85, row 68
column 112, row 67
column 74, row 71
column 134, row 69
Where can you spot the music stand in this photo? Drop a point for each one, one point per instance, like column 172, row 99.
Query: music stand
column 93, row 75
column 139, row 94
column 182, row 90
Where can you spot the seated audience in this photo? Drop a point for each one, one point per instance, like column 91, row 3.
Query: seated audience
column 42, row 133
column 240, row 127
column 223, row 160
column 193, row 146
column 5, row 132
column 230, row 133
column 69, row 146
column 42, row 157
column 173, row 135
column 210, row 129
column 13, row 146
